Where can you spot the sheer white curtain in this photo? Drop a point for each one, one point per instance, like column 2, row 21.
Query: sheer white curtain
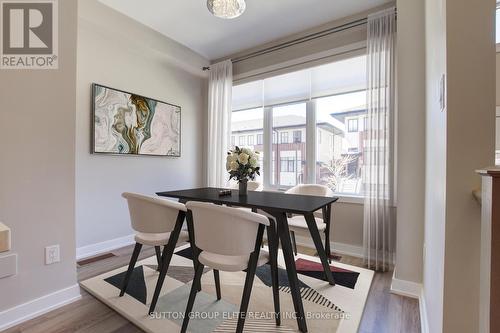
column 378, row 172
column 220, row 87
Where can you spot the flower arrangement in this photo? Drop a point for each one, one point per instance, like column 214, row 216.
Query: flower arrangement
column 242, row 164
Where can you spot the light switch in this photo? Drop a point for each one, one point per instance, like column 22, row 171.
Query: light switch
column 4, row 238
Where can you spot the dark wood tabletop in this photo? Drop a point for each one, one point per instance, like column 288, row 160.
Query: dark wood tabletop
column 268, row 201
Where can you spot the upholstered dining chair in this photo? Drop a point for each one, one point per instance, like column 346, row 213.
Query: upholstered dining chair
column 229, row 239
column 298, row 223
column 252, row 185
column 157, row 223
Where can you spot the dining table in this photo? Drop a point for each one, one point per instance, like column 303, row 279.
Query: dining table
column 279, row 206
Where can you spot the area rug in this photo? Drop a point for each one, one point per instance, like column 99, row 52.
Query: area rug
column 328, row 308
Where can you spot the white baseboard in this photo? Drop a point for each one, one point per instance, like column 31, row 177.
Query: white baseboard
column 340, row 248
column 406, row 288
column 424, row 322
column 38, row 306
column 106, row 246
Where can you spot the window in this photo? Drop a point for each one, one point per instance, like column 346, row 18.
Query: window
column 287, row 164
column 244, row 124
column 498, row 23
column 340, row 165
column 297, row 136
column 284, row 137
column 233, row 141
column 284, row 174
column 336, row 93
column 352, row 125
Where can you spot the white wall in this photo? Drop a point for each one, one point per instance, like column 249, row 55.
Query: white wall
column 116, row 51
column 410, row 140
column 37, row 177
column 465, row 53
column 471, row 109
column 435, row 181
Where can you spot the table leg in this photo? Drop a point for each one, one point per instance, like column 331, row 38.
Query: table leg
column 313, row 229
column 286, row 246
column 273, row 244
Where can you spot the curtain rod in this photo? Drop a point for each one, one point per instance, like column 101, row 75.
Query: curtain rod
column 313, row 36
column 304, row 39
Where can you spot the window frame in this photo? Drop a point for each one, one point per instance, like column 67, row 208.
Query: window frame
column 284, row 137
column 269, row 137
column 497, row 10
column 260, row 139
column 311, row 142
column 251, row 140
column 353, row 129
column 297, row 138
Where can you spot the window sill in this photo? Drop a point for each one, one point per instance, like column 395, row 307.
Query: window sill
column 350, row 199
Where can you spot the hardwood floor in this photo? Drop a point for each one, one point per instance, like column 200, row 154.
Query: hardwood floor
column 384, row 312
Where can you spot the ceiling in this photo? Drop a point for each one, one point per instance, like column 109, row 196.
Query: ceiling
column 191, row 24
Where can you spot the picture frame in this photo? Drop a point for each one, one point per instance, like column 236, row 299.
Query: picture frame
column 129, row 124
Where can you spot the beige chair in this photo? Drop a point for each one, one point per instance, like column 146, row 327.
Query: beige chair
column 229, row 239
column 298, row 223
column 252, row 185
column 157, row 222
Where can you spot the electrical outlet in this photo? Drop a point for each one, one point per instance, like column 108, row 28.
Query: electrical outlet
column 52, row 255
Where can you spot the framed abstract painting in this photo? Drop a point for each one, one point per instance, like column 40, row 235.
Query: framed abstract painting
column 130, row 124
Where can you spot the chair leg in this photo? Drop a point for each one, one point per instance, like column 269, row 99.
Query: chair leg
column 252, row 267
column 327, row 214
column 194, row 249
column 294, row 243
column 217, row 284
column 273, row 262
column 192, row 296
column 158, row 257
column 168, row 252
column 131, row 265
column 327, row 248
column 245, row 299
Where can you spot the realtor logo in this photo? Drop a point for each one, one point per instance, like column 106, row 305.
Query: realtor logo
column 29, row 34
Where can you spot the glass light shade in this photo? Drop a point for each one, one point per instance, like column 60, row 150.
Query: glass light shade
column 226, row 9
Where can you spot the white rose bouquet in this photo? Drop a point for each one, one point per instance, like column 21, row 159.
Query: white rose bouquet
column 242, row 164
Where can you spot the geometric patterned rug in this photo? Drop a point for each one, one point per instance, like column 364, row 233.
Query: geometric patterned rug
column 328, row 308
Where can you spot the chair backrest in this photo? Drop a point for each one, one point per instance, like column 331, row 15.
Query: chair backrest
column 224, row 230
column 152, row 214
column 252, row 185
column 311, row 189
